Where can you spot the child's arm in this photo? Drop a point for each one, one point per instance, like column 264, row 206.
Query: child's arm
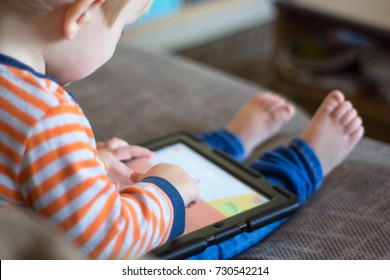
column 63, row 179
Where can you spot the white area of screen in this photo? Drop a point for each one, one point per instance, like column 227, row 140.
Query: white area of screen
column 214, row 183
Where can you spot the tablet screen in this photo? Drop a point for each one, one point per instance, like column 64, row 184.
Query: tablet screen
column 222, row 195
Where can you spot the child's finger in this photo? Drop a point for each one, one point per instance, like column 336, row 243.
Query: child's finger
column 136, row 176
column 115, row 143
column 100, row 145
column 128, row 152
column 120, row 169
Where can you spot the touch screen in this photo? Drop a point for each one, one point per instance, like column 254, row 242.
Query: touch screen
column 222, row 195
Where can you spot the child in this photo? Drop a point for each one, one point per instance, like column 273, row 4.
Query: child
column 49, row 160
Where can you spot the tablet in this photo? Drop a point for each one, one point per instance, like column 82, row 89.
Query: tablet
column 234, row 199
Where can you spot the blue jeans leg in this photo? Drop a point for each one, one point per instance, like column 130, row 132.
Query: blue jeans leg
column 295, row 167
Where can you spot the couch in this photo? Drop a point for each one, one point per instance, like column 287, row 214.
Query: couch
column 141, row 95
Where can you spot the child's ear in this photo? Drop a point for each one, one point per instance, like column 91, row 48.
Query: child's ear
column 76, row 15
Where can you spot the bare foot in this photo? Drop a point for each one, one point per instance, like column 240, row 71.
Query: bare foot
column 260, row 118
column 334, row 130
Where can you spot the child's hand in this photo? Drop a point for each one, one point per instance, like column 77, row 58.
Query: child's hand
column 123, row 150
column 117, row 171
column 115, row 150
column 184, row 184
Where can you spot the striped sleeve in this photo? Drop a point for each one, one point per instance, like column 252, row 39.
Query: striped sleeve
column 62, row 178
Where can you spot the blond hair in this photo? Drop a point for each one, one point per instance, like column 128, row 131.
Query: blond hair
column 41, row 8
column 113, row 8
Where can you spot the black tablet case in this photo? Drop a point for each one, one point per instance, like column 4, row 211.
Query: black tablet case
column 282, row 203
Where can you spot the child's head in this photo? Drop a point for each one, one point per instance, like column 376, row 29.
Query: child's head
column 80, row 35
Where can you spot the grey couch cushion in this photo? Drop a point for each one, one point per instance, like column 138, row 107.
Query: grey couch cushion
column 348, row 218
column 140, row 95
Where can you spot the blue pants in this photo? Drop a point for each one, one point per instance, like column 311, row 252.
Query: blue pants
column 295, row 168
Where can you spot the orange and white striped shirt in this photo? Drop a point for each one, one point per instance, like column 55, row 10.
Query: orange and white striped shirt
column 48, row 162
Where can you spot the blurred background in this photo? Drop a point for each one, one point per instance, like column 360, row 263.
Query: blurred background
column 299, row 48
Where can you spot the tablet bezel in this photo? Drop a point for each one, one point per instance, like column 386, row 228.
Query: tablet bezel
column 281, row 202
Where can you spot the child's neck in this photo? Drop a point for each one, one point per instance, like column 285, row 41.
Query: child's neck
column 18, row 41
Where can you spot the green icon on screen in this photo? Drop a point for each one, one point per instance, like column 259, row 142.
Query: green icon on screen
column 230, row 208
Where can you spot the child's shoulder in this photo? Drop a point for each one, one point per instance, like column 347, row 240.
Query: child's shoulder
column 30, row 91
column 27, row 99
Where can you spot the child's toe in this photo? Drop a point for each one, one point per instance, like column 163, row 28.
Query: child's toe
column 348, row 116
column 356, row 135
column 282, row 113
column 353, row 125
column 337, row 95
column 341, row 110
column 331, row 101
